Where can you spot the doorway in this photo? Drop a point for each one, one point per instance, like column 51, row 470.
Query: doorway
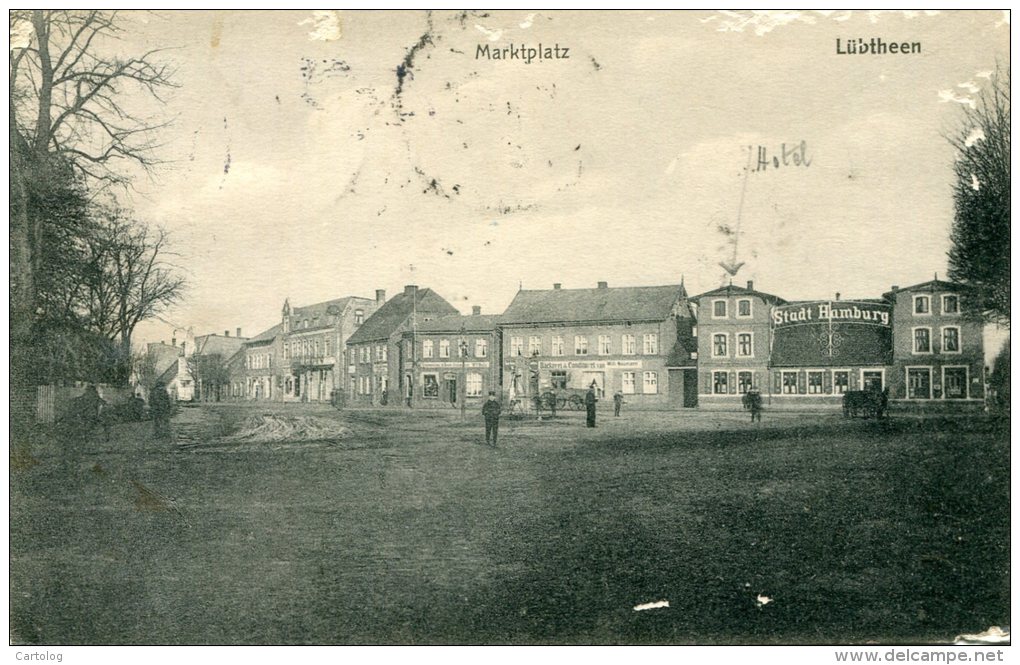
column 451, row 390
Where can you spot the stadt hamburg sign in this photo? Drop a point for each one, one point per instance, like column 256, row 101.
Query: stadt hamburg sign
column 835, row 312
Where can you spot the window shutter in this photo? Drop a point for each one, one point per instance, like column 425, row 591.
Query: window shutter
column 802, row 382
column 853, row 381
column 777, row 384
column 733, row 382
column 706, row 383
column 827, row 382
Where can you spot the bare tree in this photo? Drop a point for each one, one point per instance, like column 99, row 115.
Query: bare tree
column 68, row 121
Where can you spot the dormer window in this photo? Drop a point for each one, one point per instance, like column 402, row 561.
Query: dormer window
column 359, row 317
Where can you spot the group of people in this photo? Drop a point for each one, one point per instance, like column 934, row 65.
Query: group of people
column 89, row 412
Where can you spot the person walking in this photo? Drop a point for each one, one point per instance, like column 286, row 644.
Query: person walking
column 589, row 403
column 490, row 411
column 617, row 403
column 160, row 408
column 752, row 399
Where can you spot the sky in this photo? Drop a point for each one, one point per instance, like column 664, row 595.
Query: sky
column 300, row 164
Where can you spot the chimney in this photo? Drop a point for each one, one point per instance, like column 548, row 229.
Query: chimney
column 238, row 332
column 226, row 333
column 894, row 288
column 603, row 285
column 380, row 295
column 750, row 285
column 173, row 341
column 837, row 295
column 557, row 286
column 410, row 290
column 476, row 310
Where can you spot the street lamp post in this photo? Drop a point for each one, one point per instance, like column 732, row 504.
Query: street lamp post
column 463, row 374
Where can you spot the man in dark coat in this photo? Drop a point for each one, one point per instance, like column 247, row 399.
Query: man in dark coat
column 160, row 408
column 617, row 402
column 752, row 402
column 589, row 403
column 490, row 411
column 89, row 407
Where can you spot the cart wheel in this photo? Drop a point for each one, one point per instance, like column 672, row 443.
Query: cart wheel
column 576, row 403
column 561, row 403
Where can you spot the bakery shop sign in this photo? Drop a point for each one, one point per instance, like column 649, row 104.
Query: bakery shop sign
column 875, row 314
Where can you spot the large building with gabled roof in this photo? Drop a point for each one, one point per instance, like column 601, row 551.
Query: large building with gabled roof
column 379, row 361
column 634, row 340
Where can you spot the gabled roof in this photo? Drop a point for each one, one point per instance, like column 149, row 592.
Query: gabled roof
column 456, row 322
column 322, row 310
column 732, row 290
column 626, row 303
column 929, row 286
column 209, row 345
column 389, row 318
column 168, row 375
column 265, row 336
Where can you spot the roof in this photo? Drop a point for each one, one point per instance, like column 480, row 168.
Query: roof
column 930, row 286
column 731, row 290
column 626, row 303
column 457, row 322
column 168, row 375
column 680, row 356
column 389, row 318
column 209, row 345
column 321, row 310
column 265, row 336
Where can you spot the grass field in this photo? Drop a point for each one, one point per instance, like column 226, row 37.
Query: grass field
column 804, row 529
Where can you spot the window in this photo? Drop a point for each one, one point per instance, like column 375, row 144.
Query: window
column 744, row 308
column 718, row 309
column 918, row 383
column 954, row 382
column 286, row 324
column 950, row 304
column 430, row 386
column 651, row 346
column 651, row 383
column 605, row 345
column 473, row 385
column 814, row 383
column 359, row 317
column 557, row 346
column 629, row 345
column 558, row 379
column 922, row 305
column 744, row 381
column 719, row 345
column 627, row 384
column 286, row 352
column 922, row 340
column 840, row 382
column 305, row 323
column 951, row 340
column 385, row 352
column 427, row 349
column 444, row 348
column 789, row 383
column 316, row 348
column 580, row 345
column 326, row 347
column 481, row 348
column 720, row 383
column 516, row 346
column 871, row 380
column 534, row 345
column 744, row 345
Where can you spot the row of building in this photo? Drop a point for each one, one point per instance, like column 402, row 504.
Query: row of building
column 657, row 345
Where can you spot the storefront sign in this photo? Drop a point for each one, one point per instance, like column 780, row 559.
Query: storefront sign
column 474, row 364
column 590, row 364
column 832, row 311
